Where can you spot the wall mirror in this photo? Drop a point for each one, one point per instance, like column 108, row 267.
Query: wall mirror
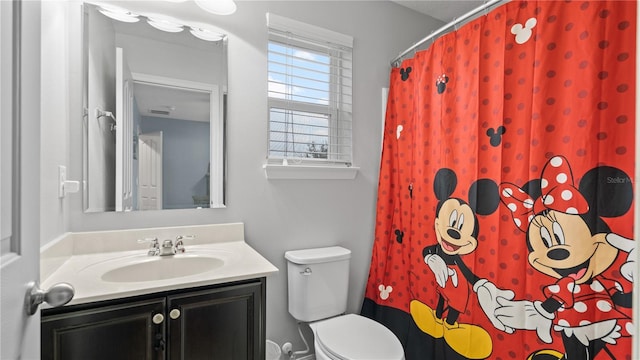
column 154, row 111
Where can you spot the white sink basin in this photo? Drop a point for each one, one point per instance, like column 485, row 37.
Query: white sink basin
column 162, row 267
column 143, row 268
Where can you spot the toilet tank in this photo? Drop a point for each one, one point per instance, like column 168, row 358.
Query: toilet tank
column 318, row 282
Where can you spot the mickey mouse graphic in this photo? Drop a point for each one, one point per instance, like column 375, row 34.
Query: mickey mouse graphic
column 457, row 228
column 568, row 241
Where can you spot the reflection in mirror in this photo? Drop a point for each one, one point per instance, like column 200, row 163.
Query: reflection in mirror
column 153, row 112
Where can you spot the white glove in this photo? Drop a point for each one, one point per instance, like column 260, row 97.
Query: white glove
column 453, row 275
column 526, row 315
column 612, row 337
column 629, row 246
column 488, row 295
column 439, row 268
column 607, row 331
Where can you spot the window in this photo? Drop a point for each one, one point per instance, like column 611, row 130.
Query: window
column 310, row 72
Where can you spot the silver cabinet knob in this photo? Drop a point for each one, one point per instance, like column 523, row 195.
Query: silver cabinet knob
column 174, row 314
column 57, row 295
column 157, row 319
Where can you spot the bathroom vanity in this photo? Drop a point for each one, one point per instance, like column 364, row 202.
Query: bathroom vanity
column 208, row 303
column 215, row 322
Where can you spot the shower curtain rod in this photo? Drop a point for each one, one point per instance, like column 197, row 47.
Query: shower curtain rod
column 396, row 61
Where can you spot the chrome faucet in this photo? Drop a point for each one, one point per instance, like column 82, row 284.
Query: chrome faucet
column 168, row 248
column 154, row 248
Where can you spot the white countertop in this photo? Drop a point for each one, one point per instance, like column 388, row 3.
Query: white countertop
column 70, row 260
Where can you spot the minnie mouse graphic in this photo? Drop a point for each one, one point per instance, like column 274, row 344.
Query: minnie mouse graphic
column 568, row 241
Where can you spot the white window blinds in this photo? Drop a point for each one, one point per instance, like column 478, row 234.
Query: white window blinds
column 310, row 93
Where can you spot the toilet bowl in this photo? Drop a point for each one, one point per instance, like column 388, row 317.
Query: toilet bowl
column 318, row 281
column 354, row 337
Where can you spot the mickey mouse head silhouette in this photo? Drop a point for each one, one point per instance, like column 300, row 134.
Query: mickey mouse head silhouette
column 523, row 33
column 385, row 291
column 404, row 73
column 495, row 136
column 398, row 131
column 441, row 83
column 399, row 235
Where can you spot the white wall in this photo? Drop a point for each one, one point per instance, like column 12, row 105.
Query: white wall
column 54, row 134
column 279, row 215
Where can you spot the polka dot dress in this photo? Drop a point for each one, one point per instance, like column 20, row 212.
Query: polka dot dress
column 512, row 96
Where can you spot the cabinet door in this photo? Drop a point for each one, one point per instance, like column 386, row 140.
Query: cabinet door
column 224, row 323
column 125, row 331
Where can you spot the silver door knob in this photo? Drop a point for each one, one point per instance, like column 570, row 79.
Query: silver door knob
column 57, row 295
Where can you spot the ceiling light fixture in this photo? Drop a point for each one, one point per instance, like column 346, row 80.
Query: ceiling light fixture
column 164, row 23
column 118, row 13
column 205, row 34
column 217, row 7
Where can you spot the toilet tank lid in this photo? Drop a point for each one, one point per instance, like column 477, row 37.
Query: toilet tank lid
column 317, row 255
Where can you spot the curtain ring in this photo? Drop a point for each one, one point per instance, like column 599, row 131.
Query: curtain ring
column 455, row 24
column 486, row 8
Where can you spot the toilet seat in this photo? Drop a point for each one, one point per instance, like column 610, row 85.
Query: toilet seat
column 355, row 337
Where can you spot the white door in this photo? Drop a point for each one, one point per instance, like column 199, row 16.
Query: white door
column 124, row 133
column 20, row 179
column 150, row 171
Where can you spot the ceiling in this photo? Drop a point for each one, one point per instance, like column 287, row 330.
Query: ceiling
column 439, row 9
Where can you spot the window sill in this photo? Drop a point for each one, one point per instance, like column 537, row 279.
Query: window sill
column 306, row 172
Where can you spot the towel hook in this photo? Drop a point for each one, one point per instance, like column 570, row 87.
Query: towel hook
column 103, row 113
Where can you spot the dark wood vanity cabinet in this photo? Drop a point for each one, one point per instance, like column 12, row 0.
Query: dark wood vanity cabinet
column 116, row 331
column 215, row 322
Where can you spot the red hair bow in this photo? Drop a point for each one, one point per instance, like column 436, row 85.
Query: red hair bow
column 558, row 194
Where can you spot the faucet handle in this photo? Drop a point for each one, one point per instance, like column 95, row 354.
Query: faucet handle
column 154, row 248
column 180, row 242
column 152, row 240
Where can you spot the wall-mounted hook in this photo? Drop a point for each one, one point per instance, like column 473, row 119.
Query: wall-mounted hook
column 100, row 113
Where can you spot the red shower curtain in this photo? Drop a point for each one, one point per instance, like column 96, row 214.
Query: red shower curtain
column 504, row 225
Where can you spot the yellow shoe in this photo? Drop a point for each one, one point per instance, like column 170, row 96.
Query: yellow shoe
column 426, row 319
column 546, row 354
column 470, row 341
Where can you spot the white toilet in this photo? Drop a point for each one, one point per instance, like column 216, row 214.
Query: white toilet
column 318, row 287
